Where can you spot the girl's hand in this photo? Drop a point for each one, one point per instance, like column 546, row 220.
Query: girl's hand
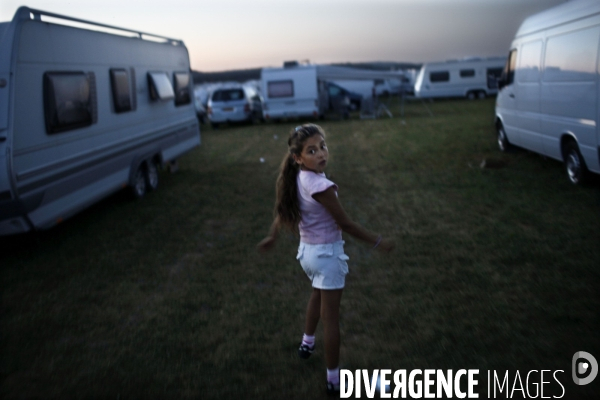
column 266, row 244
column 386, row 245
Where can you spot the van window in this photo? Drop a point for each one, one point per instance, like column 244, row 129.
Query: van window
column 228, row 95
column 182, row 88
column 572, row 56
column 160, row 86
column 121, row 93
column 467, row 73
column 68, row 100
column 439, row 76
column 529, row 65
column 508, row 75
column 277, row 89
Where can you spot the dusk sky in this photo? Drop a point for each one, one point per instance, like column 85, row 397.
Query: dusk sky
column 239, row 34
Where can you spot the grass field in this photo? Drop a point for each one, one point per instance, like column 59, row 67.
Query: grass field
column 495, row 268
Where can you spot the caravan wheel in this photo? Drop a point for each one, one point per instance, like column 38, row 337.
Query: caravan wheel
column 471, row 95
column 139, row 182
column 151, row 176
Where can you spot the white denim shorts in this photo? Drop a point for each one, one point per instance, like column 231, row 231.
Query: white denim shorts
column 324, row 264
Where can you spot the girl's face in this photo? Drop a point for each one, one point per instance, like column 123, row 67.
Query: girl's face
column 314, row 154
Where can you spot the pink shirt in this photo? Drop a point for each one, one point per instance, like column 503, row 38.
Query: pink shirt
column 317, row 226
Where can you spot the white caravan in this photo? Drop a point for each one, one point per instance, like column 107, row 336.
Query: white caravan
column 292, row 92
column 471, row 78
column 84, row 113
column 549, row 102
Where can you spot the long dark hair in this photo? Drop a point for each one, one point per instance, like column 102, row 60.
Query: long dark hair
column 287, row 206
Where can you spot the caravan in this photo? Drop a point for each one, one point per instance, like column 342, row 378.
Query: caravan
column 84, row 113
column 471, row 78
column 292, row 91
column 549, row 96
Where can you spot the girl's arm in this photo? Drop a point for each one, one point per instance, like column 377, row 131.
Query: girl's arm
column 268, row 242
column 330, row 201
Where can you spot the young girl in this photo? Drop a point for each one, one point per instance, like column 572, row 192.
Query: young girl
column 307, row 203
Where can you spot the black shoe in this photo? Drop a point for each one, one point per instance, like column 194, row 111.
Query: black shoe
column 304, row 351
column 332, row 389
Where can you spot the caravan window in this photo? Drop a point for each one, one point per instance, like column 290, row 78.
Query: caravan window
column 182, row 88
column 121, row 90
column 439, row 76
column 467, row 73
column 280, row 89
column 572, row 56
column 68, row 102
column 160, row 86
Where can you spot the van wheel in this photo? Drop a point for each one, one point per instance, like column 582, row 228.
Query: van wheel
column 471, row 95
column 151, row 176
column 481, row 95
column 503, row 142
column 139, row 182
column 574, row 164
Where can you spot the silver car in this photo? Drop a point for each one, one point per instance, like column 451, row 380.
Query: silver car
column 234, row 104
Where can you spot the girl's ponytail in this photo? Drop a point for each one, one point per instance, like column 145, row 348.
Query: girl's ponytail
column 287, row 205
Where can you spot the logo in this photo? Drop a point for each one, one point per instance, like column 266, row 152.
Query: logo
column 584, row 364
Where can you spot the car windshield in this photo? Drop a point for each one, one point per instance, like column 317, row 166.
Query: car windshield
column 227, row 95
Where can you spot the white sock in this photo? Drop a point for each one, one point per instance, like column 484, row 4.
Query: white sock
column 308, row 340
column 333, row 376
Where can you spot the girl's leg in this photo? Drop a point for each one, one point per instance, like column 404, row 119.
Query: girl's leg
column 330, row 312
column 313, row 312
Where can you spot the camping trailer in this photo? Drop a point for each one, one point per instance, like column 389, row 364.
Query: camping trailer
column 85, row 112
column 292, row 91
column 549, row 101
column 471, row 78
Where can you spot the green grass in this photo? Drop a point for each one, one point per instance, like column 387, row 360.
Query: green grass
column 494, row 268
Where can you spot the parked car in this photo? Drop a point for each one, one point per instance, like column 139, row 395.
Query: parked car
column 200, row 103
column 200, row 110
column 234, row 103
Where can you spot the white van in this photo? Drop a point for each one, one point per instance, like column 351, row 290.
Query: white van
column 548, row 102
column 293, row 91
column 471, row 78
column 84, row 113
